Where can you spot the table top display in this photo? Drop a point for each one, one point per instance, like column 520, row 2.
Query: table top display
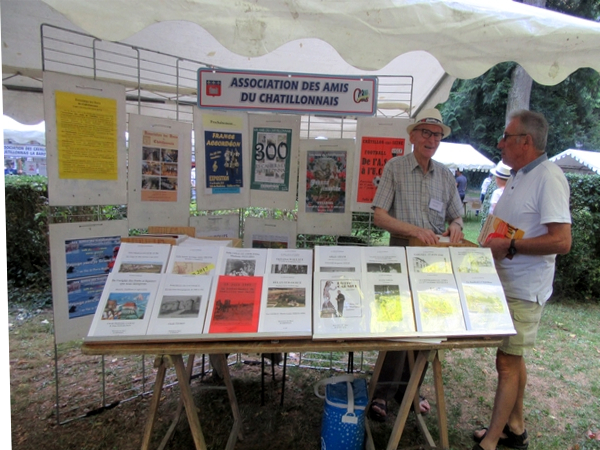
column 158, row 292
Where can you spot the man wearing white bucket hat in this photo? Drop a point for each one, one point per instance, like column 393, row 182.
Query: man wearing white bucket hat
column 415, row 198
column 502, row 173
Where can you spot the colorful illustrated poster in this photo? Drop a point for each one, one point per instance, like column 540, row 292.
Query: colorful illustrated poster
column 84, row 295
column 326, row 182
column 160, row 158
column 223, row 162
column 90, row 257
column 271, row 161
column 87, row 136
column 236, row 305
column 88, row 261
column 374, row 153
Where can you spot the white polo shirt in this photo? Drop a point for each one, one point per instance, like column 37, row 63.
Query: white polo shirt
column 536, row 195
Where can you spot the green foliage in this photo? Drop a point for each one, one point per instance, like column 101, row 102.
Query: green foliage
column 578, row 272
column 27, row 255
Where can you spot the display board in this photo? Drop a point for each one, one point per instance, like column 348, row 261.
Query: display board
column 222, row 159
column 160, row 160
column 325, row 176
column 81, row 257
column 85, row 141
column 221, row 226
column 269, row 233
column 378, row 140
column 275, row 144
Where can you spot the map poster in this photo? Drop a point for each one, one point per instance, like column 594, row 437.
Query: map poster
column 271, row 161
column 236, row 305
column 223, row 160
column 374, row 153
column 160, row 166
column 326, row 182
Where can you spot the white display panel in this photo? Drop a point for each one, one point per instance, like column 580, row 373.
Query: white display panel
column 221, row 226
column 275, row 145
column 81, row 256
column 378, row 140
column 325, row 180
column 160, row 155
column 269, row 233
column 222, row 159
column 85, row 141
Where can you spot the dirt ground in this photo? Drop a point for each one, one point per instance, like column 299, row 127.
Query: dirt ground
column 469, row 385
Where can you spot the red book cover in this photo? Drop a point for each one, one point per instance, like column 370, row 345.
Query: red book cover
column 237, row 305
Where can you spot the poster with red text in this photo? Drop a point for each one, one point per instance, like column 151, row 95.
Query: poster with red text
column 374, row 153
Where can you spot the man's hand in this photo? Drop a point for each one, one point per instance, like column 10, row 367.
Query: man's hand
column 499, row 247
column 427, row 236
column 455, row 232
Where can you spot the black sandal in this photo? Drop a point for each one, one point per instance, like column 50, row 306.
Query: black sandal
column 512, row 440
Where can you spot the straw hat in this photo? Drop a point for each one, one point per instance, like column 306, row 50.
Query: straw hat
column 501, row 171
column 431, row 116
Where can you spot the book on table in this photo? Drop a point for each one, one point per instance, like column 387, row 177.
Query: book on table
column 481, row 291
column 438, row 309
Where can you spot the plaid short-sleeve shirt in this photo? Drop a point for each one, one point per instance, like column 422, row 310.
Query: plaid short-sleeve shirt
column 412, row 196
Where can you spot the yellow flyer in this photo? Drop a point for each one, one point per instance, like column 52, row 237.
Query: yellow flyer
column 86, row 129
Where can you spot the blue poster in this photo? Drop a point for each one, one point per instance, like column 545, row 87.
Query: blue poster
column 84, row 294
column 89, row 257
column 223, row 160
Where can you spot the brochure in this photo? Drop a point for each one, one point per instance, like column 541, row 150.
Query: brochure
column 481, row 291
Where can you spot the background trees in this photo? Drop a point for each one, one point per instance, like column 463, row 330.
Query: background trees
column 476, row 108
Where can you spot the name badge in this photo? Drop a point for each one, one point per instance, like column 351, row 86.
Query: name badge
column 436, row 205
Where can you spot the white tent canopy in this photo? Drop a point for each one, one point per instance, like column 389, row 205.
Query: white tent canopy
column 431, row 41
column 579, row 161
column 462, row 157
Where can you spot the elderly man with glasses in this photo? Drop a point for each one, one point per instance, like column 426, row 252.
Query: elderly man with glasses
column 416, row 197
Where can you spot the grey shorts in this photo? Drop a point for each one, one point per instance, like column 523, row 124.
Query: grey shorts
column 526, row 318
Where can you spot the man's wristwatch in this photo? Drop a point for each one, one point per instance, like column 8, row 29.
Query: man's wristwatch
column 512, row 250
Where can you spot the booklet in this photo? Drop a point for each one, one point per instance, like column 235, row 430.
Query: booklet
column 234, row 307
column 286, row 306
column 496, row 227
column 142, row 258
column 339, row 306
column 193, row 260
column 335, row 258
column 246, row 262
column 481, row 291
column 124, row 308
column 438, row 309
column 180, row 307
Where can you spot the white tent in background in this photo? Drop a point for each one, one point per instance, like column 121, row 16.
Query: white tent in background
column 431, row 41
column 579, row 161
column 462, row 157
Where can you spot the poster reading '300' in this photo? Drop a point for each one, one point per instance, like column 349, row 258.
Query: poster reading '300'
column 271, row 162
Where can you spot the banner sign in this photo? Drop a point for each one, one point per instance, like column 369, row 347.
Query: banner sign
column 283, row 92
column 24, row 151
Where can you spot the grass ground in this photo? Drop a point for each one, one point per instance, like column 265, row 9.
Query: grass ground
column 562, row 402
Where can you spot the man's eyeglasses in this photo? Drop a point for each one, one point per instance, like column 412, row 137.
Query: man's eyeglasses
column 505, row 136
column 427, row 134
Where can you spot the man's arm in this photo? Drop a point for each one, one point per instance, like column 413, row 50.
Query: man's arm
column 384, row 220
column 556, row 242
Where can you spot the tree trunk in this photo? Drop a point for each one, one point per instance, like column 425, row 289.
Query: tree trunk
column 520, row 90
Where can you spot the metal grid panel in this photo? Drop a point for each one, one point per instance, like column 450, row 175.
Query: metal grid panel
column 161, row 85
